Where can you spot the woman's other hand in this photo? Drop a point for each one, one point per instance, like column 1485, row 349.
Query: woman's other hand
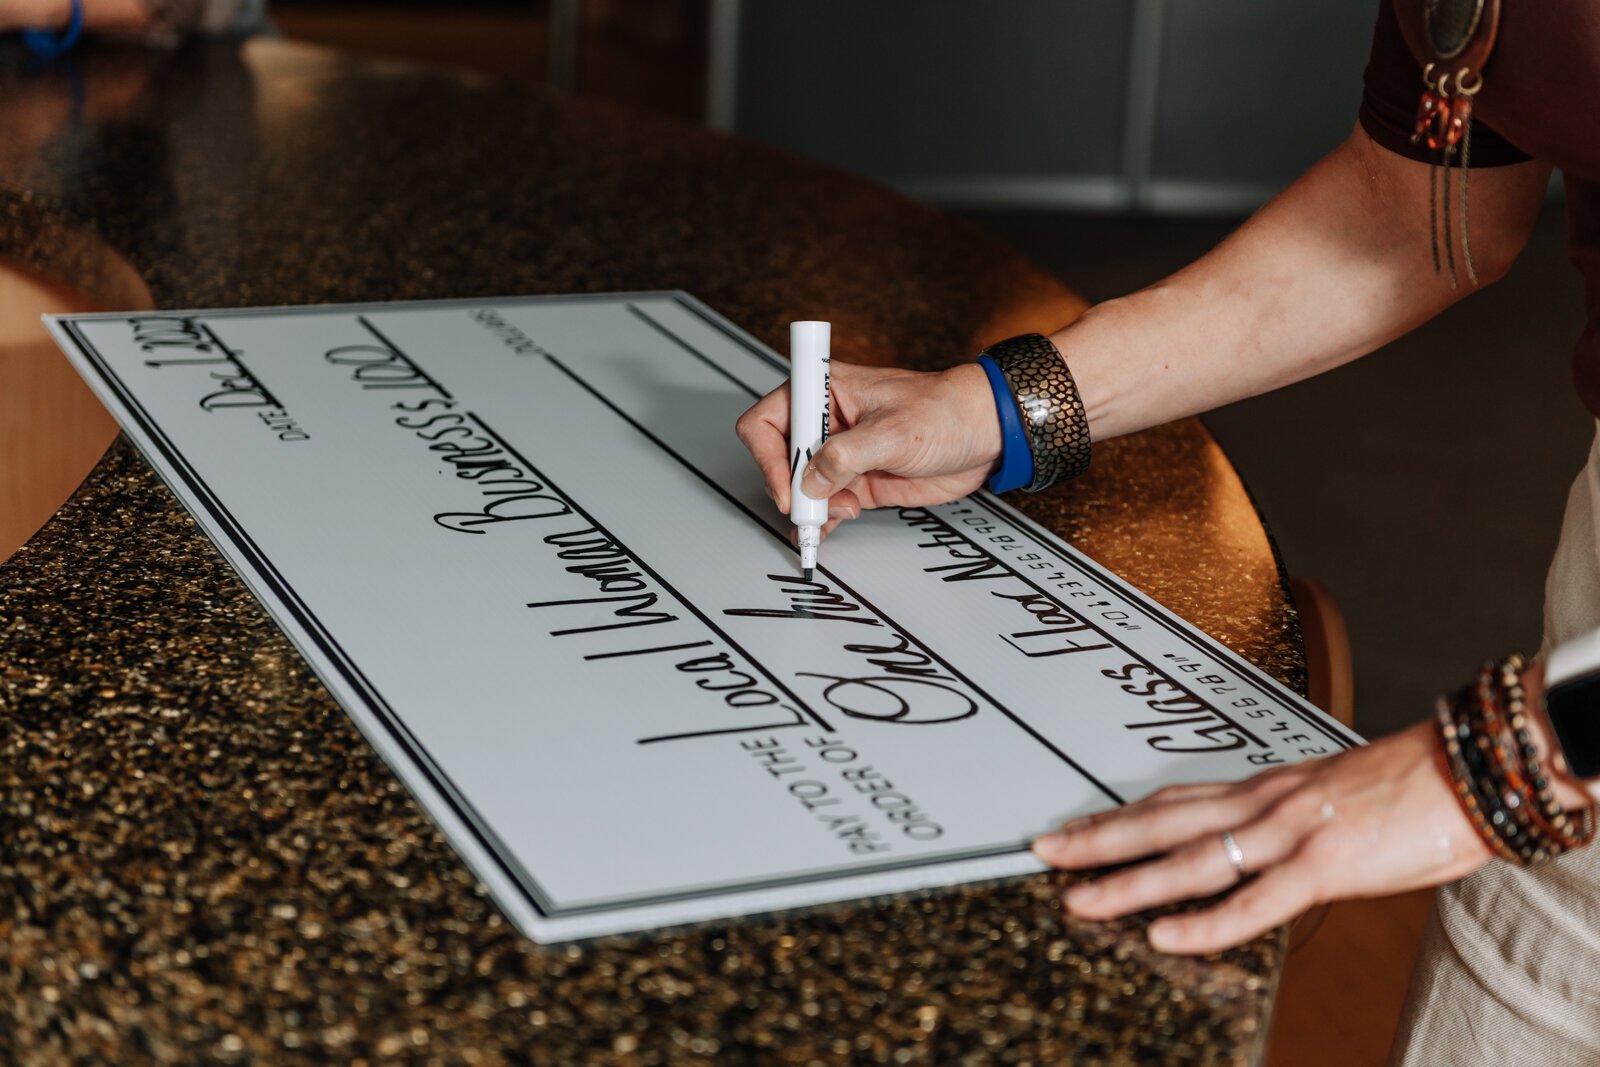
column 900, row 438
column 1368, row 822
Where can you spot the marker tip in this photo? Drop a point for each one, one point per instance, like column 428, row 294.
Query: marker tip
column 811, row 573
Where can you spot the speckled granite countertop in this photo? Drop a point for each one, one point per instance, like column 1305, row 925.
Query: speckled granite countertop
column 200, row 858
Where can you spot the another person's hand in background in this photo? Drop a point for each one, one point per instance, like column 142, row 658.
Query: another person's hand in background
column 120, row 15
column 162, row 20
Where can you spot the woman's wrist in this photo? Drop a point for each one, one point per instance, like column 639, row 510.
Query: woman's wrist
column 1015, row 467
column 1115, row 402
column 977, row 412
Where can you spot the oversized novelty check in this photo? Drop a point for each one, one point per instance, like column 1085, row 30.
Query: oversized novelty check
column 519, row 542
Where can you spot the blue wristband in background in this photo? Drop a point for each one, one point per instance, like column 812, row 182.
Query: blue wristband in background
column 46, row 45
column 1016, row 456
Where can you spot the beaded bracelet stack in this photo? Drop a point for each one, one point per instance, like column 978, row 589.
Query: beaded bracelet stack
column 1490, row 758
column 1044, row 428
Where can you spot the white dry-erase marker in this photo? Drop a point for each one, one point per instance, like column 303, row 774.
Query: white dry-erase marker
column 808, row 428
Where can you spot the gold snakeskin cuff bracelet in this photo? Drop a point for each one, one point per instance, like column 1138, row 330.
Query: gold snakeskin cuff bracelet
column 1052, row 411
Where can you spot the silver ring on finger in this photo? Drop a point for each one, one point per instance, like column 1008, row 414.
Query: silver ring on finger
column 1235, row 854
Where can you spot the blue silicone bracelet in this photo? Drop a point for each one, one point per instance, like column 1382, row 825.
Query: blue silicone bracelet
column 1016, row 457
column 46, row 45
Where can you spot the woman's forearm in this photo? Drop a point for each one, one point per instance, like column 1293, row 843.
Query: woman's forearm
column 1329, row 270
column 1337, row 265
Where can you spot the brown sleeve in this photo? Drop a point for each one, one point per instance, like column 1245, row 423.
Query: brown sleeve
column 1391, row 88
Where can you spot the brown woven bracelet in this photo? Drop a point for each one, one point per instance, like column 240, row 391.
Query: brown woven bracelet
column 1571, row 829
column 1510, row 765
column 1052, row 411
column 1460, row 777
column 1496, row 778
column 1493, row 766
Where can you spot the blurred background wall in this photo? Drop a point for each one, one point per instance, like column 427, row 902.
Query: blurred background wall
column 1155, row 105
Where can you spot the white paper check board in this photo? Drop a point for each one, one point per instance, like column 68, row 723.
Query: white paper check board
column 519, row 542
